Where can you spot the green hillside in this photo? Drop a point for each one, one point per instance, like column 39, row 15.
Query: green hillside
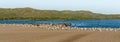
column 35, row 14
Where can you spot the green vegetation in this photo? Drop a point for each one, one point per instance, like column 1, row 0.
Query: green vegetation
column 35, row 14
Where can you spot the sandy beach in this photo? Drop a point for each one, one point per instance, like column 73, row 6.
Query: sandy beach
column 25, row 33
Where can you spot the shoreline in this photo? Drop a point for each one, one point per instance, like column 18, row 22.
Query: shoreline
column 52, row 28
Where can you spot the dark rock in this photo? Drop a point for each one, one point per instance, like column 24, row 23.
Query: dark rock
column 62, row 24
column 36, row 24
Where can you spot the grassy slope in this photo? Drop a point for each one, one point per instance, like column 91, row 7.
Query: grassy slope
column 34, row 14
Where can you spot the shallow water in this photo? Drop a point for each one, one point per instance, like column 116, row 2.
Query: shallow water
column 75, row 23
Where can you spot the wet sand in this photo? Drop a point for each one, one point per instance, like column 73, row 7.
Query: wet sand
column 10, row 33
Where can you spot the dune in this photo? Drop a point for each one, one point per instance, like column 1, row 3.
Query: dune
column 11, row 33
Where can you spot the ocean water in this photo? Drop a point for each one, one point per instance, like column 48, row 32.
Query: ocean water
column 74, row 23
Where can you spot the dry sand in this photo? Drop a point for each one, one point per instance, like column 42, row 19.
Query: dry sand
column 9, row 33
